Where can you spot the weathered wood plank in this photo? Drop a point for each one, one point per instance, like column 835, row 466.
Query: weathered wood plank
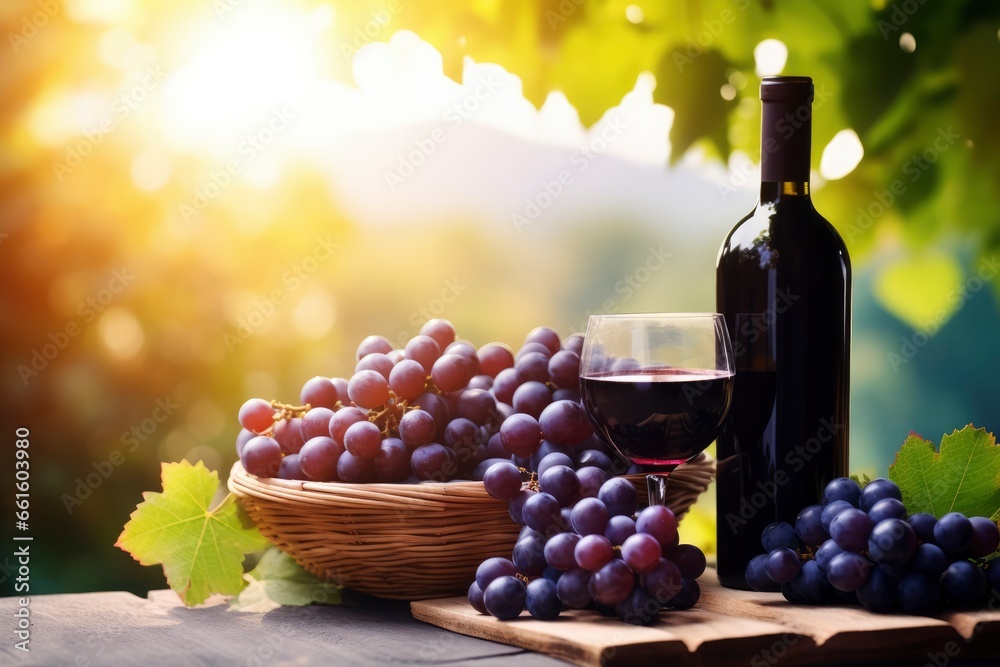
column 121, row 629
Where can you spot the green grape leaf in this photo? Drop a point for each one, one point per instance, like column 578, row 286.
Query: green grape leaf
column 201, row 548
column 964, row 476
column 278, row 580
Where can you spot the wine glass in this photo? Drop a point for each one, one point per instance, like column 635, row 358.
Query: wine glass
column 657, row 386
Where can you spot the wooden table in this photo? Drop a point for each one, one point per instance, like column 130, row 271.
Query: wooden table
column 121, row 629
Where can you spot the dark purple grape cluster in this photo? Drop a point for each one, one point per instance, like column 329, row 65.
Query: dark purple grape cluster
column 582, row 545
column 436, row 410
column 861, row 545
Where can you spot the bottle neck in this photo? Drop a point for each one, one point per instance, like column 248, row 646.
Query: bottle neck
column 771, row 191
column 785, row 139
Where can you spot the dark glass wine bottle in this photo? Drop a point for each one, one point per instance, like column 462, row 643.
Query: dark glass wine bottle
column 783, row 282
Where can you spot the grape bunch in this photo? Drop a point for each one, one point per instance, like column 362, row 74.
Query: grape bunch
column 583, row 546
column 860, row 545
column 438, row 409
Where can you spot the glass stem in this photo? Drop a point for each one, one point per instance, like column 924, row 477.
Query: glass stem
column 656, row 487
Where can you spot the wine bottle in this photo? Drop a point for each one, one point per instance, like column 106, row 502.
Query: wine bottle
column 783, row 282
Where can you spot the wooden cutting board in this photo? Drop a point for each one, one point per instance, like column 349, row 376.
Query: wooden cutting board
column 730, row 627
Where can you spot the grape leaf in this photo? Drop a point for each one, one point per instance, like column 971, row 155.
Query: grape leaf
column 963, row 477
column 201, row 549
column 278, row 580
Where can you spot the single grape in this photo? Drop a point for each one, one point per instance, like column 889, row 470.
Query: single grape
column 466, row 350
column 450, row 372
column 492, row 568
column 529, row 555
column 372, row 344
column 462, row 433
column 528, row 348
column 505, row 384
column 476, row 598
column 531, row 398
column 561, row 482
column 546, row 336
column 502, row 480
column 689, row 558
column 342, row 420
column 850, row 529
column 757, row 576
column 363, row 439
column 892, row 542
column 593, row 552
column 687, row 597
column 619, row 529
column 262, row 456
column 589, row 517
column 573, row 588
column 848, row 571
column 495, row 357
column 783, row 565
column 591, row 479
column 432, row 462
column 407, row 379
column 842, row 488
column 953, row 533
column 290, row 468
column 619, row 496
column 876, row 490
column 564, row 369
column 830, row 511
column 288, row 433
column 543, row 600
column 256, row 415
column 479, row 406
column 442, row 331
column 985, row 537
column 315, row 423
column 779, row 534
column 918, row 593
column 392, row 461
column 505, row 597
column 641, row 552
column 368, row 389
column 573, row 343
column 319, row 392
column 596, row 459
column 923, row 525
column 520, row 434
column 424, row 350
column 963, row 581
column 929, row 559
column 318, row 459
column 662, row 582
column 533, row 366
column 887, row 508
column 352, row 468
column 809, row 526
column 376, row 361
column 417, row 428
column 481, row 381
column 560, row 551
column 660, row 522
column 880, row 592
column 541, row 512
column 810, row 586
column 612, row 583
column 551, row 460
column 826, row 552
column 565, row 422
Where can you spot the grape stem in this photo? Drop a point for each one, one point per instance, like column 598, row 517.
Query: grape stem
column 288, row 411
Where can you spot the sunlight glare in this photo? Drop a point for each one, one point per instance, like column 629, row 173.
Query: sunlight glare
column 841, row 155
column 770, row 57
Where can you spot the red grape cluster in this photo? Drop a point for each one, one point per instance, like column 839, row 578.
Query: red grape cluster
column 438, row 409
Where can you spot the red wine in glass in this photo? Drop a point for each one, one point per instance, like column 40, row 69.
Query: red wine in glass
column 661, row 416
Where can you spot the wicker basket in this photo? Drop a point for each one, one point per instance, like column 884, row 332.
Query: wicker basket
column 403, row 541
